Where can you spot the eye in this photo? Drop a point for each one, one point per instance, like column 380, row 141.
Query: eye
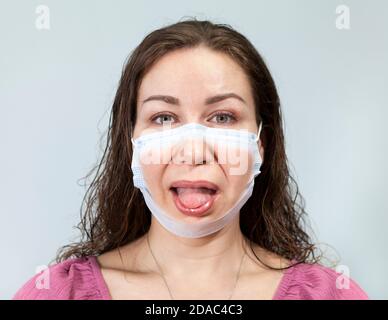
column 224, row 117
column 165, row 117
column 221, row 118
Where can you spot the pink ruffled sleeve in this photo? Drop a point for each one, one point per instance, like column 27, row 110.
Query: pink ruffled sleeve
column 72, row 279
column 317, row 282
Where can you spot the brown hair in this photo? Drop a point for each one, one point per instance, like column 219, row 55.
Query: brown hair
column 115, row 212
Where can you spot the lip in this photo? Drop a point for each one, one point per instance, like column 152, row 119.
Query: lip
column 194, row 184
column 201, row 210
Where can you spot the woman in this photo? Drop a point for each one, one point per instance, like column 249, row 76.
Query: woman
column 187, row 228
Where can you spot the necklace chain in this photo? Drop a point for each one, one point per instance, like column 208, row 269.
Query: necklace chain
column 165, row 282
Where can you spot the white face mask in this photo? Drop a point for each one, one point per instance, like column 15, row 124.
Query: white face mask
column 157, row 140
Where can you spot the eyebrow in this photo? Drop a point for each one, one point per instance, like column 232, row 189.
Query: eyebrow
column 208, row 101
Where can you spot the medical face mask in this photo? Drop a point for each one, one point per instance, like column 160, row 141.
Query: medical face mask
column 153, row 143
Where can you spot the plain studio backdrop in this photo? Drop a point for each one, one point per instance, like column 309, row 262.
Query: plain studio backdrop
column 328, row 59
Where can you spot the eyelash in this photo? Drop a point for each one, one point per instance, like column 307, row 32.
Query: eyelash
column 223, row 113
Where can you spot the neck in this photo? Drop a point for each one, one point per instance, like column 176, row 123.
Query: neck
column 178, row 257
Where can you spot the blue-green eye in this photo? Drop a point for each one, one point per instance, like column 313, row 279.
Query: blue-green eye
column 164, row 118
column 225, row 117
column 221, row 118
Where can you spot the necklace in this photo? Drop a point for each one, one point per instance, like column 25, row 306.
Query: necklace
column 165, row 282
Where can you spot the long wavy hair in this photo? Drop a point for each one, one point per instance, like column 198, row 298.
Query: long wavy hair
column 113, row 211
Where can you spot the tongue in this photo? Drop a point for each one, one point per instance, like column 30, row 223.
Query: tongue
column 194, row 197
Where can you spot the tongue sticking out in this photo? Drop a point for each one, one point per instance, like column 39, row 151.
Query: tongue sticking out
column 194, row 197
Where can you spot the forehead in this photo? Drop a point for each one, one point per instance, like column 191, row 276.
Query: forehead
column 194, row 74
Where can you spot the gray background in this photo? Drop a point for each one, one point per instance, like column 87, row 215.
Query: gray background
column 57, row 87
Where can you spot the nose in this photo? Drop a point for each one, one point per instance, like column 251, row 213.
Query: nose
column 193, row 151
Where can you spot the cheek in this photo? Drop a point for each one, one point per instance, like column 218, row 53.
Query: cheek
column 233, row 190
column 153, row 174
column 238, row 171
column 153, row 163
column 237, row 163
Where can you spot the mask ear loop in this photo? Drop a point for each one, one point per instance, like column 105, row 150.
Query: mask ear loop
column 131, row 134
column 258, row 136
column 258, row 132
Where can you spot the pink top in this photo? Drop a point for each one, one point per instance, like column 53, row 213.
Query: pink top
column 81, row 279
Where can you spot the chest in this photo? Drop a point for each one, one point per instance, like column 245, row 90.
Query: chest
column 132, row 286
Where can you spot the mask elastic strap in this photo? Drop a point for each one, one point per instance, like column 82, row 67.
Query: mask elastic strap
column 131, row 129
column 259, row 131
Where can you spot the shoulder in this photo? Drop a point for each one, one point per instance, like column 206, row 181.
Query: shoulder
column 72, row 279
column 306, row 281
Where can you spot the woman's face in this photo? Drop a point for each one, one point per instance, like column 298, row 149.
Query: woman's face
column 191, row 76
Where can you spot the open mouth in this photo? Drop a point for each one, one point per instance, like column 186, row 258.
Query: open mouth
column 192, row 199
